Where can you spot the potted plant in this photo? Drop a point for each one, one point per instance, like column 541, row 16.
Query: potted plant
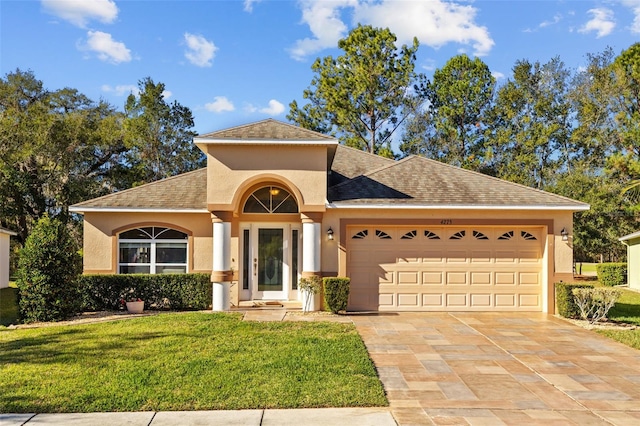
column 310, row 288
column 135, row 306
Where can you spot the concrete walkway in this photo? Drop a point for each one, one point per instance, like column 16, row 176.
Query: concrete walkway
column 307, row 416
column 496, row 369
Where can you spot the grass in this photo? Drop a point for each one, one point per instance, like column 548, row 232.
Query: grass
column 188, row 361
column 8, row 305
column 586, row 267
column 627, row 309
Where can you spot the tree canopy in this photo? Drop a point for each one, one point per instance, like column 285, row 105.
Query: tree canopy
column 364, row 95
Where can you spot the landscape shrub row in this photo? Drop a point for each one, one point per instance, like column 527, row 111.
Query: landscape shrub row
column 565, row 301
column 160, row 291
column 612, row 274
column 336, row 293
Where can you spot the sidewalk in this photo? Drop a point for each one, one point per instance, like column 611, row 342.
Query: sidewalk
column 298, row 417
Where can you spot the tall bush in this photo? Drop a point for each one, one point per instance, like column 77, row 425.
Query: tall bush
column 565, row 301
column 612, row 274
column 47, row 273
column 336, row 293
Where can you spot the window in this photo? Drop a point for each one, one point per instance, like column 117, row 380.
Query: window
column 152, row 250
column 479, row 235
column 382, row 235
column 409, row 235
column 270, row 199
column 458, row 235
column 361, row 235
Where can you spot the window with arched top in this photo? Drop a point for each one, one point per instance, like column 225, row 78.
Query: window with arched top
column 152, row 250
column 270, row 199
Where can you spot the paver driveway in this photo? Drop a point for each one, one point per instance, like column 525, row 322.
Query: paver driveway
column 492, row 369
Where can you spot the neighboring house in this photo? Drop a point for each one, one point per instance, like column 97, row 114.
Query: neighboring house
column 277, row 202
column 632, row 241
column 5, row 235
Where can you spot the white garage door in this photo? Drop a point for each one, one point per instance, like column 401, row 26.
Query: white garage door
column 445, row 268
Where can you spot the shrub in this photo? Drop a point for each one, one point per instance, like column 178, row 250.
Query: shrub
column 612, row 274
column 161, row 291
column 47, row 273
column 594, row 303
column 336, row 293
column 565, row 302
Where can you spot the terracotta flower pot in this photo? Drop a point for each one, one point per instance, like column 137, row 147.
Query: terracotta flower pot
column 135, row 307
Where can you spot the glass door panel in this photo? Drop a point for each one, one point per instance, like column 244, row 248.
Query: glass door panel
column 270, row 262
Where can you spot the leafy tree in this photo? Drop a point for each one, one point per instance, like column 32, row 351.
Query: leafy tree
column 56, row 148
column 158, row 135
column 364, row 95
column 48, row 268
column 459, row 95
column 531, row 123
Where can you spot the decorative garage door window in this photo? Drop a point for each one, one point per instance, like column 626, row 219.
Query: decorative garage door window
column 152, row 250
column 270, row 199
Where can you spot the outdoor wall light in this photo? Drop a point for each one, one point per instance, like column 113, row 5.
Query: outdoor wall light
column 330, row 234
column 565, row 234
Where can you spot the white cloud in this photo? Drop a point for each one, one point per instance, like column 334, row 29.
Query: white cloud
column 323, row 18
column 602, row 22
column 634, row 5
column 220, row 104
column 274, row 108
column 106, row 47
column 248, row 5
column 80, row 12
column 497, row 75
column 250, row 108
column 434, row 22
column 556, row 19
column 166, row 94
column 121, row 89
column 200, row 50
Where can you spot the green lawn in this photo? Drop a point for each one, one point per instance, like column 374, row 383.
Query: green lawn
column 8, row 305
column 627, row 309
column 185, row 361
column 586, row 268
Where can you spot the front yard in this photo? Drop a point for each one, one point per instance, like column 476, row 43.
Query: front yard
column 185, row 361
column 627, row 309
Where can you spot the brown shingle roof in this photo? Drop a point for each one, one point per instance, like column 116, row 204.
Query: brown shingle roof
column 349, row 163
column 187, row 191
column 269, row 129
column 424, row 182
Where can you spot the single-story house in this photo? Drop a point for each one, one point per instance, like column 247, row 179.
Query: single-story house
column 5, row 235
column 632, row 241
column 277, row 202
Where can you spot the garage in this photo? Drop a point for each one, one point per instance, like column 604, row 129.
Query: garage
column 446, row 268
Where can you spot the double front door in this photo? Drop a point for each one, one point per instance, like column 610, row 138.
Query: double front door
column 270, row 261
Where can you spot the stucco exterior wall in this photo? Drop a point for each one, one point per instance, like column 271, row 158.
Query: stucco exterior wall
column 4, row 260
column 101, row 241
column 233, row 169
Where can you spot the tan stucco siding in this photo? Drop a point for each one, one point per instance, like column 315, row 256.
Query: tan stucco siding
column 233, row 169
column 100, row 239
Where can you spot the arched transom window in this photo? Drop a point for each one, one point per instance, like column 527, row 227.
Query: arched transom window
column 152, row 250
column 270, row 199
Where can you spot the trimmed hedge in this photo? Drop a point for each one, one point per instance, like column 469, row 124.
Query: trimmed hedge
column 336, row 293
column 565, row 302
column 159, row 291
column 612, row 274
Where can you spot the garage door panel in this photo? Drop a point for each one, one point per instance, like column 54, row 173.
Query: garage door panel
column 408, row 277
column 432, row 278
column 456, row 299
column 449, row 268
column 481, row 278
column 433, row 300
column 482, row 300
column 410, row 300
column 456, row 278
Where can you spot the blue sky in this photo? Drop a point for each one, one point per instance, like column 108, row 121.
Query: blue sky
column 234, row 62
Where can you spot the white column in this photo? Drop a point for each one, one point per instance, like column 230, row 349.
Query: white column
column 220, row 276
column 311, row 262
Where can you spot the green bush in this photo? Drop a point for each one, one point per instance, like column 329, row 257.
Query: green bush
column 47, row 273
column 565, row 302
column 612, row 274
column 161, row 291
column 336, row 293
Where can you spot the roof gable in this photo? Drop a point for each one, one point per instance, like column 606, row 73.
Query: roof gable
column 269, row 129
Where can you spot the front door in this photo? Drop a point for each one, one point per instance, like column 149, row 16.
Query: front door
column 270, row 265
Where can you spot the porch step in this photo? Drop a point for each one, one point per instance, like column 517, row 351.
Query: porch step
column 289, row 305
